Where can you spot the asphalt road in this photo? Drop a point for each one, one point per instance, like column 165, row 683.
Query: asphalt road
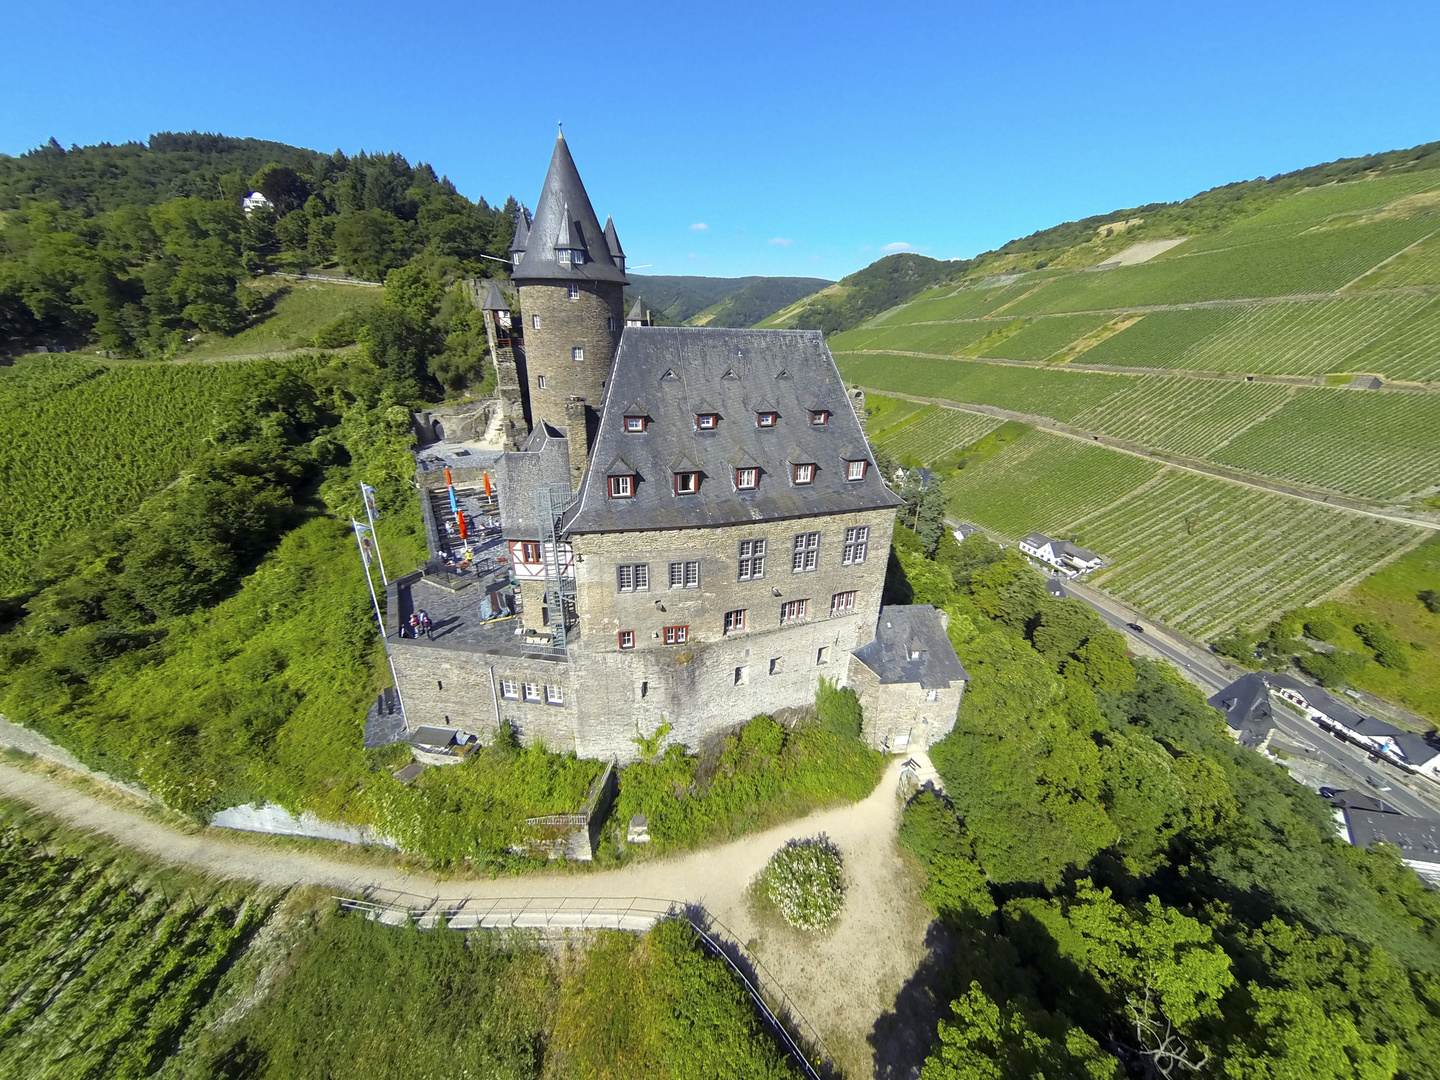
column 1379, row 779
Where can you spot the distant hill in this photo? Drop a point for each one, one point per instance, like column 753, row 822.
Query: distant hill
column 715, row 301
column 881, row 285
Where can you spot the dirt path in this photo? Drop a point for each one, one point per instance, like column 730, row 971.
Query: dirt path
column 842, row 982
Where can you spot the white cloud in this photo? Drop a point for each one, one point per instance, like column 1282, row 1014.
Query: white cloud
column 899, row 245
column 782, row 241
column 699, row 226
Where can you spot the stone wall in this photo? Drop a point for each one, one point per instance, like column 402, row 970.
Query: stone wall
column 900, row 717
column 564, row 324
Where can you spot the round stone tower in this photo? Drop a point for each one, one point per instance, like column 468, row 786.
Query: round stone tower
column 570, row 274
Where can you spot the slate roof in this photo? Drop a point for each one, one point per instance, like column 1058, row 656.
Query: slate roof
column 494, row 299
column 545, row 460
column 1246, row 705
column 564, row 218
column 1418, row 838
column 1065, row 547
column 1358, row 800
column 672, row 373
column 640, row 313
column 902, row 630
column 1037, row 540
column 1418, row 749
column 1056, row 588
column 1331, row 706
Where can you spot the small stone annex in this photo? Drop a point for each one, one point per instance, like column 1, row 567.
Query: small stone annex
column 650, row 525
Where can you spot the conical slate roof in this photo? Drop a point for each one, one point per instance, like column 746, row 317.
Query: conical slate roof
column 522, row 231
column 565, row 220
column 612, row 240
column 640, row 313
column 494, row 299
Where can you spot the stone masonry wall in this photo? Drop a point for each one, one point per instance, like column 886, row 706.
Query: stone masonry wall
column 564, row 324
column 894, row 711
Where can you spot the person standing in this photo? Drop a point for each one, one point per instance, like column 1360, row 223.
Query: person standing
column 425, row 625
column 414, row 625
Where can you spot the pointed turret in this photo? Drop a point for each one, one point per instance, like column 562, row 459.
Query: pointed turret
column 640, row 314
column 522, row 236
column 612, row 241
column 564, row 242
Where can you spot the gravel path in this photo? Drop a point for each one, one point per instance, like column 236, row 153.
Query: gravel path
column 842, row 981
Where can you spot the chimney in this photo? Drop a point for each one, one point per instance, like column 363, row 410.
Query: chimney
column 857, row 399
column 578, row 436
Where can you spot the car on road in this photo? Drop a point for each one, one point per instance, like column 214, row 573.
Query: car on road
column 1136, row 627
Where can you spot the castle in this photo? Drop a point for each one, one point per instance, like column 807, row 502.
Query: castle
column 687, row 526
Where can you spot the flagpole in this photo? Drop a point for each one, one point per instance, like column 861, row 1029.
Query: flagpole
column 379, row 618
column 367, row 496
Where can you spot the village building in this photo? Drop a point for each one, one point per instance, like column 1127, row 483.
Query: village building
column 650, row 525
column 1062, row 555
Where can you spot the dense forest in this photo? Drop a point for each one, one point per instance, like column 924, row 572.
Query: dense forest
column 135, row 249
column 740, row 302
column 865, row 293
column 1125, row 890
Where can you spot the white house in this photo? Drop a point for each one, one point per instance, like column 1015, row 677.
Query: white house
column 1417, row 753
column 254, row 200
column 1061, row 554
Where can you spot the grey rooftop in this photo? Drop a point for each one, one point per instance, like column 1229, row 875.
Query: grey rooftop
column 911, row 646
column 564, row 219
column 545, row 461
column 672, row 374
column 1417, row 838
column 1246, row 705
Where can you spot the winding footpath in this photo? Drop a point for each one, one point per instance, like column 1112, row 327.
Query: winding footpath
column 842, row 982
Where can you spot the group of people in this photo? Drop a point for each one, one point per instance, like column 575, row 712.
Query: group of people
column 419, row 624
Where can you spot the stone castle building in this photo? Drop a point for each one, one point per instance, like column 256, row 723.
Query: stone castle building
column 688, row 527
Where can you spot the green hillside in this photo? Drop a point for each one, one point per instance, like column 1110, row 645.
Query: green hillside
column 713, row 301
column 865, row 293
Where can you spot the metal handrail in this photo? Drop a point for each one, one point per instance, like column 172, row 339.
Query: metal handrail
column 430, row 909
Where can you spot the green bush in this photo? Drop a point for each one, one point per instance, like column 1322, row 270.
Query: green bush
column 805, row 880
column 1332, row 669
column 1431, row 599
column 1321, row 629
column 1388, row 651
column 839, row 709
column 764, row 773
column 933, row 834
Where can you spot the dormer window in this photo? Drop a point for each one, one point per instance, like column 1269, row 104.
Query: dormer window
column 622, row 486
column 747, row 479
column 635, row 423
column 687, row 483
column 766, row 419
column 819, row 417
column 803, row 474
column 855, row 470
column 707, row 421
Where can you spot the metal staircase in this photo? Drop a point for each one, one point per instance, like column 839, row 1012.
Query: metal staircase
column 550, row 502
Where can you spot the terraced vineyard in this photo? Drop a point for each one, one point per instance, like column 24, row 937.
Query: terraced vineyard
column 1194, row 417
column 1200, row 553
column 1045, row 337
column 943, row 338
column 1418, row 266
column 973, row 302
column 1311, row 262
column 1203, row 554
column 1365, row 443
column 102, row 971
column 934, row 433
column 1042, row 482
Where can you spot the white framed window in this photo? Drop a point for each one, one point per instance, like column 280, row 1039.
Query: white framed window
column 803, row 474
column 622, row 487
column 634, row 423
column 532, row 691
column 933, row 695
column 707, row 421
column 687, row 483
column 627, row 639
column 554, row 695
column 855, row 470
column 747, row 479
column 842, row 603
column 819, row 417
column 793, row 610
column 752, row 560
column 534, row 322
column 766, row 419
column 677, row 635
column 857, row 545
column 805, row 556
column 734, row 620
column 540, row 381
column 685, row 575
column 577, row 353
column 574, row 291
column 632, row 577
column 509, row 689
column 530, row 552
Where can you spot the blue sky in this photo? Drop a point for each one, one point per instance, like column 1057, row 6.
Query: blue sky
column 740, row 138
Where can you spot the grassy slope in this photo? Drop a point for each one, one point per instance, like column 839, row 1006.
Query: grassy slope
column 300, row 308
